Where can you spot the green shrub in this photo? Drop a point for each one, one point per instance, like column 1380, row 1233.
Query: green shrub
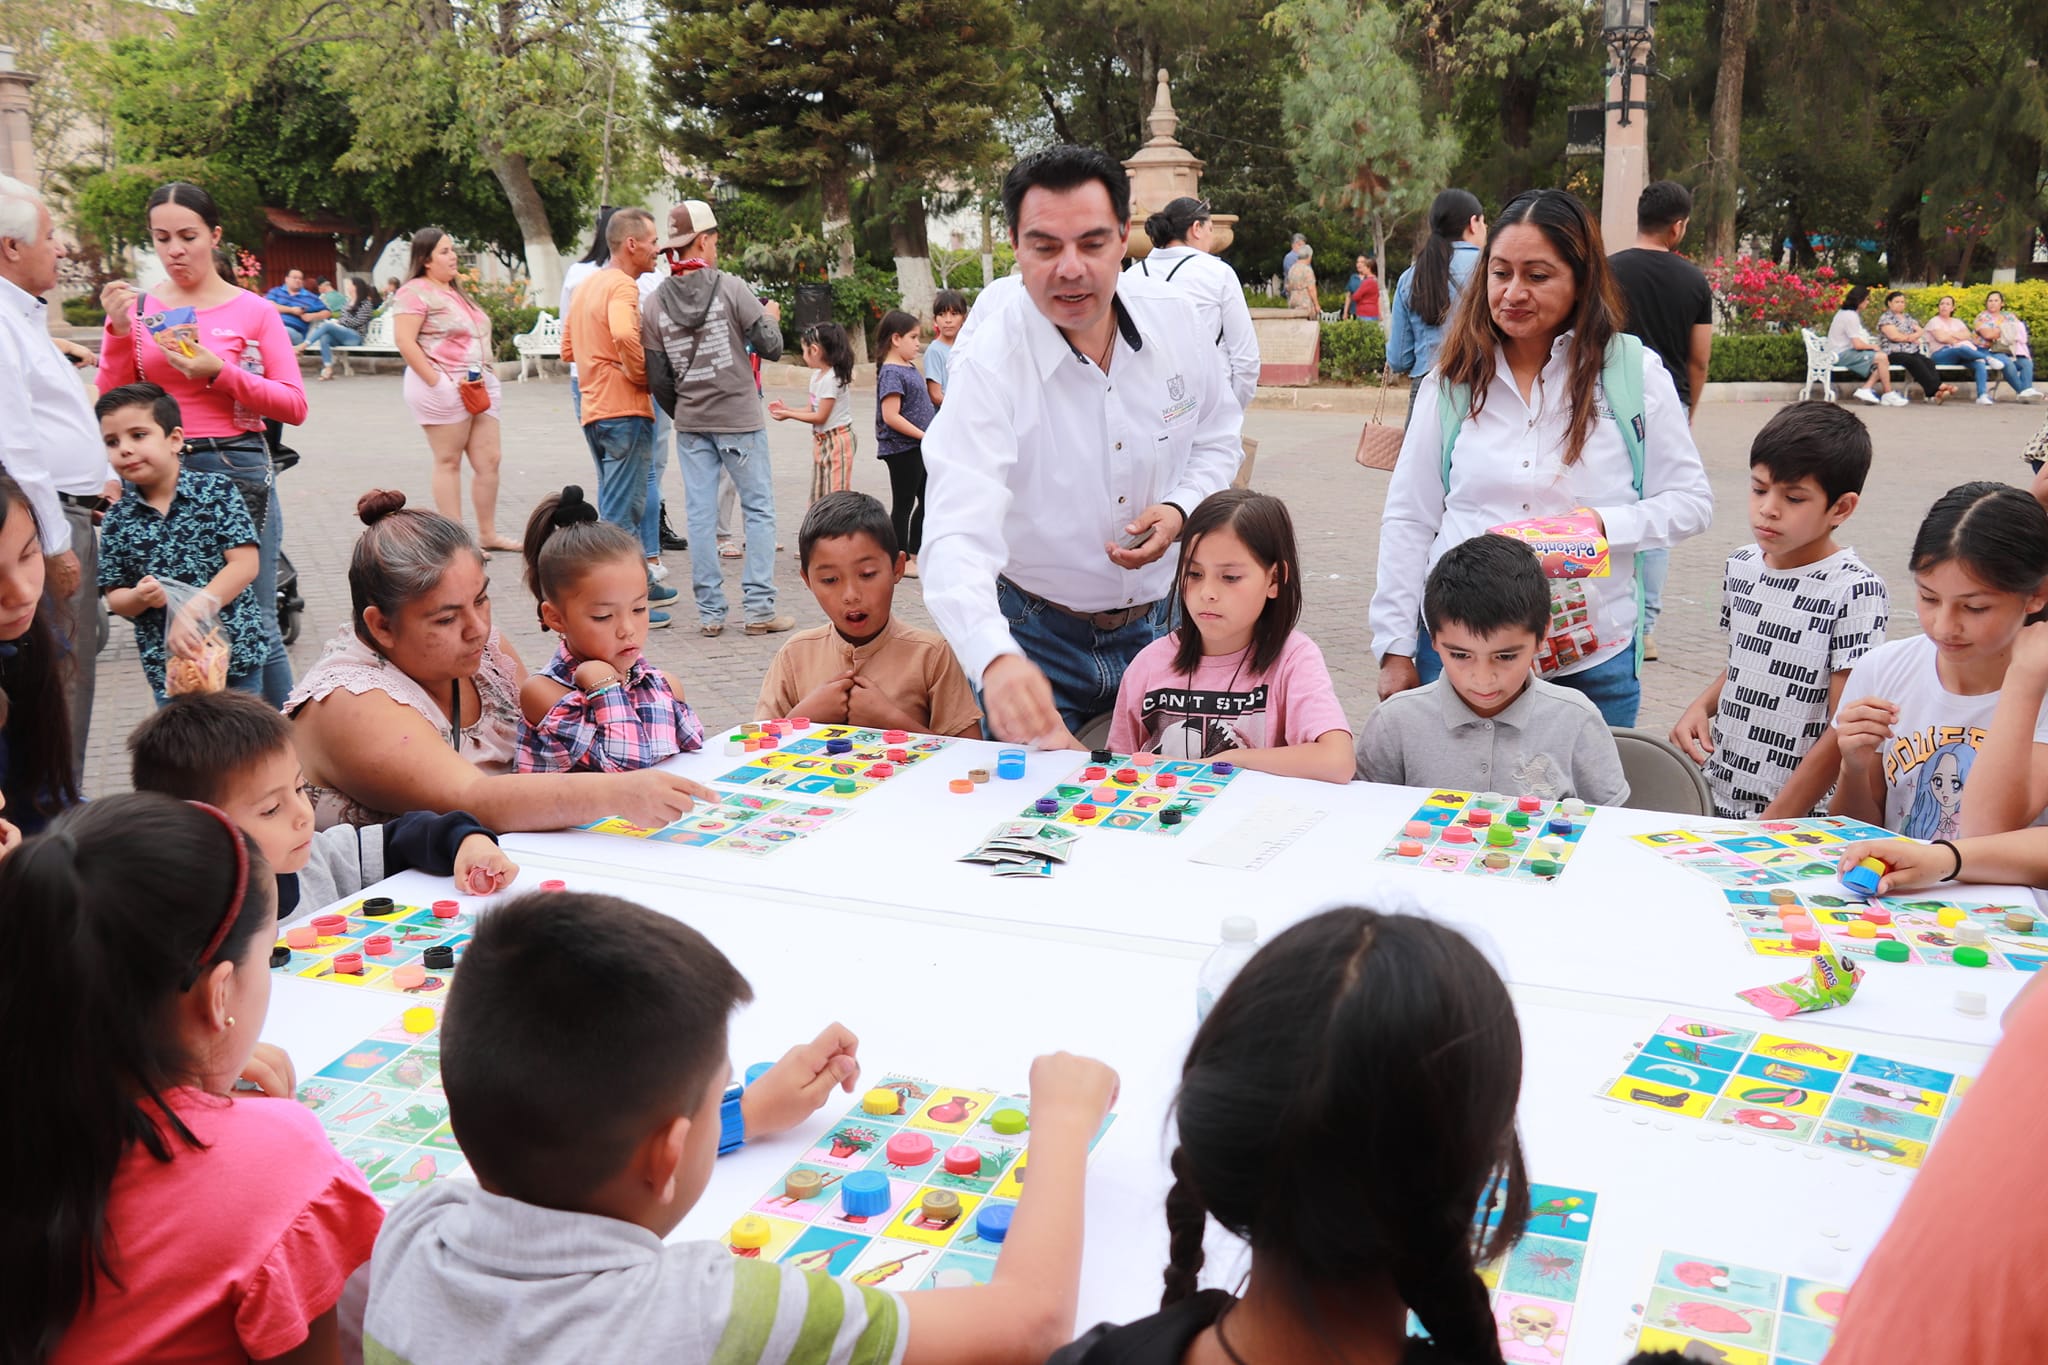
column 84, row 310
column 1757, row 357
column 1254, row 299
column 2027, row 300
column 1352, row 351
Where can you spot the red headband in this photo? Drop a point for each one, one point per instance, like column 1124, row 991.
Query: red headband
column 234, row 910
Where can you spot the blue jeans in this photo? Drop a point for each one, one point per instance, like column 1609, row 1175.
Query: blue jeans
column 1612, row 686
column 1656, row 568
column 650, row 519
column 1083, row 664
column 2019, row 372
column 743, row 455
column 249, row 466
column 1973, row 356
column 327, row 334
column 622, row 448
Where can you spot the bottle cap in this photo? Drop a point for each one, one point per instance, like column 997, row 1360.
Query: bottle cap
column 1102, row 756
column 963, row 1160
column 348, row 964
column 409, row 976
column 1970, row 1003
column 879, row 1101
column 1222, row 769
column 1500, row 836
column 1094, row 774
column 446, row 909
column 864, row 1194
column 992, row 1222
column 302, row 936
column 1169, row 816
column 1457, row 834
column 895, row 736
column 959, row 786
column 838, row 746
column 1557, row 824
column 750, row 1233
column 554, row 884
column 1544, row 867
column 377, row 945
column 439, row 958
column 1529, row 804
column 908, row 1148
column 419, row 1019
column 939, row 1206
column 799, row 722
column 327, row 926
column 1240, row 929
column 1972, row 957
column 281, row 955
column 1082, row 810
column 1046, row 805
column 1891, row 950
column 1009, row 1122
column 802, row 1183
column 2020, row 922
column 1127, row 776
column 846, row 786
column 882, row 770
column 376, row 906
column 1784, row 896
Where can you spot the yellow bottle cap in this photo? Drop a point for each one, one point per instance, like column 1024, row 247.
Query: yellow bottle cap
column 419, row 1019
column 749, row 1234
column 881, row 1102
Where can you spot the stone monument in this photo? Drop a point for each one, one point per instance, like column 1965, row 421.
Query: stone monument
column 17, row 153
column 1163, row 171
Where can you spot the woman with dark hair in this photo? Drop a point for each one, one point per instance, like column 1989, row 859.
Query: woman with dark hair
column 233, row 373
column 1181, row 238
column 1362, row 291
column 1900, row 336
column 1857, row 351
column 38, row 772
column 1540, row 404
column 346, row 327
column 2005, row 336
column 414, row 704
column 1426, row 290
column 451, row 381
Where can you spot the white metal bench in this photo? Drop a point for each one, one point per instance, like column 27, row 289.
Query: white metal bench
column 539, row 346
column 379, row 340
column 1820, row 365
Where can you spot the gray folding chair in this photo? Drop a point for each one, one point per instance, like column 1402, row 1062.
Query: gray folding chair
column 1660, row 776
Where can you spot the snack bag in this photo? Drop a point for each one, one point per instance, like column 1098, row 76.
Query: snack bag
column 175, row 329
column 1571, row 549
column 195, row 642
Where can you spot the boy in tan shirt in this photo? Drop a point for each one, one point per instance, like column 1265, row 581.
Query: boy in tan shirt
column 864, row 667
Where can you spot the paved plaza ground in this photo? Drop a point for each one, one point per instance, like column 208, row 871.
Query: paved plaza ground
column 360, row 435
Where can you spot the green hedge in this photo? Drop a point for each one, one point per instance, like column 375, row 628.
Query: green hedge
column 1352, row 351
column 1757, row 357
column 2027, row 300
column 84, row 310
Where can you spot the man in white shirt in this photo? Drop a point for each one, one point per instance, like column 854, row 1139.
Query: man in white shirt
column 49, row 439
column 1087, row 415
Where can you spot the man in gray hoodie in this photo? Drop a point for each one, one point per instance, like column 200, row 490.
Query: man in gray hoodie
column 697, row 328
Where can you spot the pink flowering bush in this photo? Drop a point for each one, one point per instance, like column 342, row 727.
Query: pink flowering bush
column 1752, row 293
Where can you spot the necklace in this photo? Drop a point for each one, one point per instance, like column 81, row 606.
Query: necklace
column 1224, row 1342
column 1102, row 361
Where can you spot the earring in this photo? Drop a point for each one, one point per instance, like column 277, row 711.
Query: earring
column 231, row 1021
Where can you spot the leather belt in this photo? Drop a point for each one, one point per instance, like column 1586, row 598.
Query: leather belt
column 91, row 502
column 1115, row 619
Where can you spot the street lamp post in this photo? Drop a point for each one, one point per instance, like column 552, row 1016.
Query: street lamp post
column 1626, row 28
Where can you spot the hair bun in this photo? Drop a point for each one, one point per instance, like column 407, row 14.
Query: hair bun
column 377, row 504
column 572, row 509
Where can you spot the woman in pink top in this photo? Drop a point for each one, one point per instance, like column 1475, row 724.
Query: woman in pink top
column 241, row 371
column 446, row 339
column 158, row 1214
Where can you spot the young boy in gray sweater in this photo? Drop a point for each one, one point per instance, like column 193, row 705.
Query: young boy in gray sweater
column 232, row 750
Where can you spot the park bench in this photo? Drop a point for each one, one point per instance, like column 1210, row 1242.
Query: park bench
column 539, row 346
column 1821, row 369
column 378, row 340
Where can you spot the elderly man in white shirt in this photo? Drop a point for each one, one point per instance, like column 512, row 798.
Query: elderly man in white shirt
column 1087, row 415
column 49, row 439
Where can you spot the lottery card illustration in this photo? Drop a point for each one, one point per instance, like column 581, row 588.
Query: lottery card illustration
column 741, row 822
column 1790, row 1090
column 1917, row 926
column 1535, row 1286
column 1138, row 792
column 377, row 944
column 1486, row 834
column 1703, row 1308
column 912, row 1189
column 382, row 1107
column 839, row 761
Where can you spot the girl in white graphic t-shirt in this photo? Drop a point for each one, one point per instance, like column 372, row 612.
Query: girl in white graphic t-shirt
column 1941, row 733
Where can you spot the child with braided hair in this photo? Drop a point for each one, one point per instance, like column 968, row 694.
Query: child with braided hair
column 1345, row 1109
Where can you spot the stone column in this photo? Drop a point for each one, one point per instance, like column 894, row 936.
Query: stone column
column 1625, row 169
column 17, row 153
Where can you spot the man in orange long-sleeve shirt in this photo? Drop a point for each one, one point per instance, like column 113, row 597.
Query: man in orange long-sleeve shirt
column 601, row 336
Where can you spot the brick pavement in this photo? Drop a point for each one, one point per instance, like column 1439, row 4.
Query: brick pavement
column 360, row 435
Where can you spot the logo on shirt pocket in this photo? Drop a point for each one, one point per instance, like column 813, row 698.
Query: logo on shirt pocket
column 1176, row 388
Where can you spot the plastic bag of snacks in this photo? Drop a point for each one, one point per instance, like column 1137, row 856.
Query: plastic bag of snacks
column 195, row 642
column 175, row 329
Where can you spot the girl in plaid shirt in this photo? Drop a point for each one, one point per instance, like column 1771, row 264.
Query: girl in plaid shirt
column 598, row 706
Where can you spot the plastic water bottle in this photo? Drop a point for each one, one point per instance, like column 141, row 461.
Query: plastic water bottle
column 475, row 373
column 1240, row 941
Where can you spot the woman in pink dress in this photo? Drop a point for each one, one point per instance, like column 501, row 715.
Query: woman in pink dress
column 445, row 339
column 231, row 368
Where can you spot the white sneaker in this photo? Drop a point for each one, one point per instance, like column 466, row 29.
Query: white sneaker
column 1984, row 400
column 656, row 570
column 1994, row 364
column 1866, row 395
column 1894, row 399
column 2033, row 393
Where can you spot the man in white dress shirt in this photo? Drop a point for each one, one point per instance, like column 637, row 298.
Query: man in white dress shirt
column 49, row 439
column 1087, row 414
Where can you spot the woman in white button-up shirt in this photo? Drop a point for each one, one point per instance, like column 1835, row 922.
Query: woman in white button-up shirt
column 1539, row 440
column 1180, row 256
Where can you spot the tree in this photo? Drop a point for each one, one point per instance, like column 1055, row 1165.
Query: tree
column 1724, row 145
column 525, row 90
column 1357, row 132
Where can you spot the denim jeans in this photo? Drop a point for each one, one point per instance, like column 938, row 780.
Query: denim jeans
column 1656, row 568
column 328, row 334
column 744, row 456
column 650, row 517
column 249, row 467
column 2019, row 372
column 1083, row 664
column 1613, row 686
column 1973, row 356
column 621, row 447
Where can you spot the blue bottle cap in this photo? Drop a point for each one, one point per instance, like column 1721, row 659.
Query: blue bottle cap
column 1222, row 769
column 865, row 1194
column 1046, row 805
column 757, row 1071
column 1558, row 825
column 992, row 1222
column 838, row 746
column 1005, row 755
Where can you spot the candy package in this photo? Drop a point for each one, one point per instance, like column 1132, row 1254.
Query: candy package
column 175, row 329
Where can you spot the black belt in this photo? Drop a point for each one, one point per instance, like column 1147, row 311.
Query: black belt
column 91, row 502
column 1114, row 619
column 248, row 440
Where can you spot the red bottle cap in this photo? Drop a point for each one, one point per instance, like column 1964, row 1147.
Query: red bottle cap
column 327, row 926
column 910, row 1149
column 446, row 909
column 348, row 964
column 554, row 884
column 963, row 1160
column 377, row 945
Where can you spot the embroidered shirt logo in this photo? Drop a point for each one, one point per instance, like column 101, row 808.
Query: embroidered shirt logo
column 1176, row 388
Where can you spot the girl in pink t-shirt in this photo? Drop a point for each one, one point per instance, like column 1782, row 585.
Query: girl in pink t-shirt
column 1235, row 680
column 154, row 1215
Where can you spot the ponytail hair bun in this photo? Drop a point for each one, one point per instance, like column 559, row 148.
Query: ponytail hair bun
column 1171, row 224
column 377, row 504
column 571, row 509
column 565, row 539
